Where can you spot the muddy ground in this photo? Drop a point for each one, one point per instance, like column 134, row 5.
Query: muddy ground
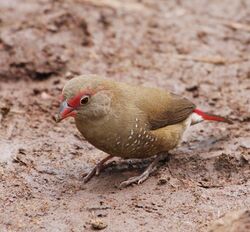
column 199, row 49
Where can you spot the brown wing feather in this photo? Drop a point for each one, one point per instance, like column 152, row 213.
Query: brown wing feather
column 173, row 114
column 167, row 109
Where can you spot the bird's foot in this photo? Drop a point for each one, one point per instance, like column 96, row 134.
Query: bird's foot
column 137, row 179
column 144, row 176
column 96, row 170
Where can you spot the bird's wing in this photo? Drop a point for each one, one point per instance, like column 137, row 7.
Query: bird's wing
column 162, row 108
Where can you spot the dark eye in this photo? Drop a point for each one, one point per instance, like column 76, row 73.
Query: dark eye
column 84, row 100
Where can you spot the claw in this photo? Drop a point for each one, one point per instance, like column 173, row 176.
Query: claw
column 144, row 176
column 96, row 170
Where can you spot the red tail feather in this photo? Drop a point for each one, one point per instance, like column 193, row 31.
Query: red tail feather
column 212, row 117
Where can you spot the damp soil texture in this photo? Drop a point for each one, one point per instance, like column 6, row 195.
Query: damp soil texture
column 198, row 49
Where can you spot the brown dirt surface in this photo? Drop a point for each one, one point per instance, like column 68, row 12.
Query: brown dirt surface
column 199, row 49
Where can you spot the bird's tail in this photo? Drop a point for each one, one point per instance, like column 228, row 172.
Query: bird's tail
column 199, row 116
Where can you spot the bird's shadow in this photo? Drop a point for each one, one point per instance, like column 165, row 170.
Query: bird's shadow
column 117, row 171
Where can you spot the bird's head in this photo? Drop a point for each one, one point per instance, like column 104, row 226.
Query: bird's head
column 85, row 97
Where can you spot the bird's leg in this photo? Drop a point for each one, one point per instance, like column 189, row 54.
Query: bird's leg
column 150, row 169
column 97, row 169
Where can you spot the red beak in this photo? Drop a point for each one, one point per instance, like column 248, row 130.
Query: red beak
column 64, row 111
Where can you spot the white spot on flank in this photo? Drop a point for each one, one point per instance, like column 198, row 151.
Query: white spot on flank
column 132, row 132
column 130, row 137
column 136, row 125
column 136, row 119
column 118, row 142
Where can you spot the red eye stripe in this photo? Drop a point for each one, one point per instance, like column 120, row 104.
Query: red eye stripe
column 75, row 101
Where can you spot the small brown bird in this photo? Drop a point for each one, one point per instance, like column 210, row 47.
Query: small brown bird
column 128, row 121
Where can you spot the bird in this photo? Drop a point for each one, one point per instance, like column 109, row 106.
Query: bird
column 128, row 121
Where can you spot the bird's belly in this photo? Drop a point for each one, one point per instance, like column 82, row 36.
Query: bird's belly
column 130, row 151
column 140, row 148
column 132, row 146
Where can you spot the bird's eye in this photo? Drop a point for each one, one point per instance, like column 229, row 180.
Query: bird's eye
column 84, row 100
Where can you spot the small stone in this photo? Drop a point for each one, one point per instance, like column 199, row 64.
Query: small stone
column 45, row 96
column 52, row 28
column 98, row 224
column 69, row 75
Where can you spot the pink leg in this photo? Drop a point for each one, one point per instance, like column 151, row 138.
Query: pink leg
column 141, row 178
column 97, row 169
